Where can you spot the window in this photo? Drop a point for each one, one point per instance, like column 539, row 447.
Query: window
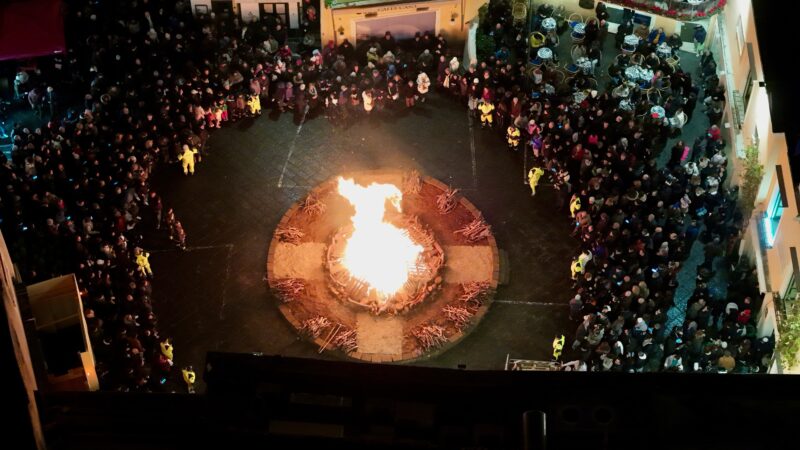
column 772, row 218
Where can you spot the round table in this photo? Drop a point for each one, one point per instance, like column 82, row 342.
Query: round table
column 584, row 65
column 630, row 43
column 545, row 54
column 638, row 74
column 658, row 112
column 664, row 51
column 579, row 96
column 549, row 24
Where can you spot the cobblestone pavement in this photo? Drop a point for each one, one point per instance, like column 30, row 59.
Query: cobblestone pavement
column 214, row 297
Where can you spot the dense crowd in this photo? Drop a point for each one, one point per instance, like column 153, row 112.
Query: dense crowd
column 156, row 80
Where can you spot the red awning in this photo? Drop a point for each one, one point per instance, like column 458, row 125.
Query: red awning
column 30, row 28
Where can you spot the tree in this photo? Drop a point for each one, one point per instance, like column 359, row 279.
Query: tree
column 751, row 180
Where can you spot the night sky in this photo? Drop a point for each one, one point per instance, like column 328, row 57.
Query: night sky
column 778, row 45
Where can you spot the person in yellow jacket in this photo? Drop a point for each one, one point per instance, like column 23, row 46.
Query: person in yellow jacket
column 166, row 349
column 143, row 261
column 574, row 206
column 487, row 109
column 188, row 378
column 579, row 265
column 187, row 158
column 512, row 136
column 576, row 269
column 558, row 347
column 533, row 178
column 254, row 103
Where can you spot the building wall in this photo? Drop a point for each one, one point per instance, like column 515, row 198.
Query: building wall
column 453, row 18
column 249, row 10
column 206, row 3
column 18, row 339
column 773, row 262
column 572, row 6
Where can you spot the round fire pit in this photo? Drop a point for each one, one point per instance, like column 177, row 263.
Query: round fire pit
column 383, row 266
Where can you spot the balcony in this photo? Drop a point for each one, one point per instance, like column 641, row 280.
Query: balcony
column 686, row 10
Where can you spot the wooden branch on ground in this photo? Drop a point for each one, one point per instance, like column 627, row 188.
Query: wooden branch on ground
column 315, row 326
column 290, row 235
column 474, row 294
column 459, row 315
column 312, row 206
column 290, row 289
column 447, row 201
column 476, row 230
column 346, row 340
column 429, row 336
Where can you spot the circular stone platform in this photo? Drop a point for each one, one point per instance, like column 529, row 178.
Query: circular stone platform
column 446, row 304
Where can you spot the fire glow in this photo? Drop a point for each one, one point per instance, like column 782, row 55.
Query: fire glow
column 377, row 253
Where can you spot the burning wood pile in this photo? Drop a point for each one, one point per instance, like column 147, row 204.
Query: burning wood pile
column 429, row 336
column 447, row 200
column 424, row 277
column 315, row 326
column 289, row 235
column 290, row 289
column 312, row 206
column 476, row 230
column 412, row 183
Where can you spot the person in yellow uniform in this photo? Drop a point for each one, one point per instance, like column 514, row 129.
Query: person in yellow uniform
column 188, row 378
column 579, row 265
column 558, row 347
column 574, row 205
column 187, row 159
column 254, row 103
column 512, row 136
column 143, row 261
column 487, row 109
column 533, row 178
column 576, row 269
column 166, row 349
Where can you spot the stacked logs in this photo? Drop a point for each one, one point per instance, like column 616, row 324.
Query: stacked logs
column 447, row 200
column 474, row 294
column 345, row 340
column 289, row 235
column 459, row 315
column 315, row 326
column 312, row 206
column 429, row 336
column 290, row 289
column 476, row 230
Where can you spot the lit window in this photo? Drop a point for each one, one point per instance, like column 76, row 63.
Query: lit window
column 773, row 217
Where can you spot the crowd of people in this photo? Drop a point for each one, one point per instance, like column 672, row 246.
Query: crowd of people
column 77, row 195
column 157, row 80
column 637, row 220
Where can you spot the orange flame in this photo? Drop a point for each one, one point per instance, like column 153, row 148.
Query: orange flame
column 377, row 253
